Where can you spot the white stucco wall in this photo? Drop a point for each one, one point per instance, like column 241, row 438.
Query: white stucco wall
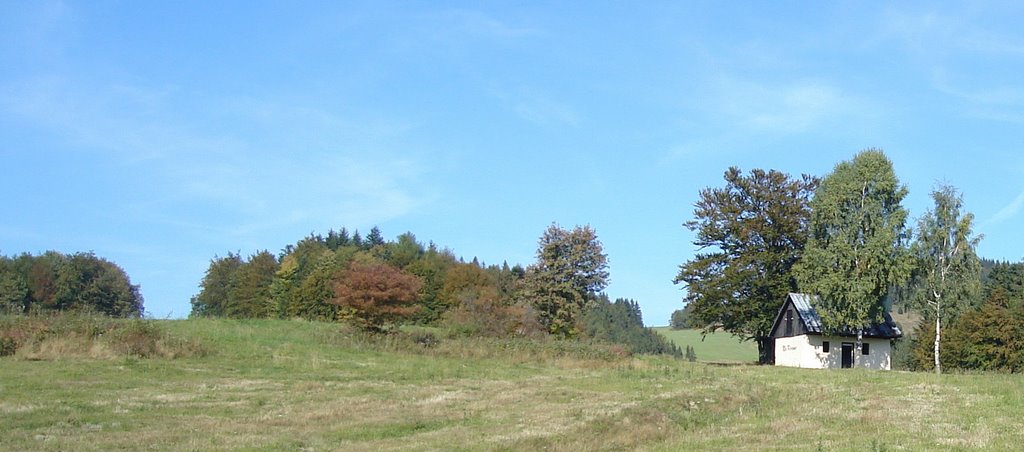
column 807, row 351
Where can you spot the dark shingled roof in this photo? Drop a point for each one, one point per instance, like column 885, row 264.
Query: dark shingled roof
column 809, row 316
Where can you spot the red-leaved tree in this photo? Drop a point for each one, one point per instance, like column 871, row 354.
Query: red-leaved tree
column 376, row 294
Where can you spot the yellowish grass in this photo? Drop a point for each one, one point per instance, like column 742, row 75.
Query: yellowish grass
column 293, row 386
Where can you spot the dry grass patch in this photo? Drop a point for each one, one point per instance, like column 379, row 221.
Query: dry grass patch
column 307, row 386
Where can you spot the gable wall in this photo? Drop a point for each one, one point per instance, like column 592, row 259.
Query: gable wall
column 779, row 327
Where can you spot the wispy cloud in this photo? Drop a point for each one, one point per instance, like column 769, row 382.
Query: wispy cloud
column 544, row 111
column 792, row 107
column 272, row 167
column 933, row 33
column 1001, row 101
column 478, row 23
column 962, row 54
column 538, row 108
column 1009, row 211
column 273, row 191
column 987, row 95
column 112, row 118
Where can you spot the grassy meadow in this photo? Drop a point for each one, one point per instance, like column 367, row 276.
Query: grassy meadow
column 292, row 385
column 720, row 347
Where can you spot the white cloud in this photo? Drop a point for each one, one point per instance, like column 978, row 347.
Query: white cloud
column 934, row 34
column 793, row 107
column 972, row 55
column 478, row 23
column 1000, row 101
column 538, row 108
column 543, row 111
column 317, row 190
column 264, row 166
column 1009, row 211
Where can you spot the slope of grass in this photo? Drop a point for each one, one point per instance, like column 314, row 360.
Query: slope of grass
column 720, row 347
column 286, row 385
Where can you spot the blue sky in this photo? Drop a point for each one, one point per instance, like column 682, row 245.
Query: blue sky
column 161, row 134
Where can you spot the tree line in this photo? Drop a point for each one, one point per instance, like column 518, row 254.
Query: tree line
column 378, row 285
column 845, row 238
column 54, row 281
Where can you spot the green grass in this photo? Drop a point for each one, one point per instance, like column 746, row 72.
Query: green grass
column 289, row 385
column 720, row 347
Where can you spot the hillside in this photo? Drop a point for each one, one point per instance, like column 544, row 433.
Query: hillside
column 720, row 347
column 291, row 385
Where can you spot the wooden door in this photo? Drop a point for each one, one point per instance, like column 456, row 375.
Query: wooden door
column 847, row 355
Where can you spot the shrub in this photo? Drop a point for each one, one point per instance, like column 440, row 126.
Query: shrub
column 425, row 339
column 88, row 335
column 484, row 315
column 7, row 346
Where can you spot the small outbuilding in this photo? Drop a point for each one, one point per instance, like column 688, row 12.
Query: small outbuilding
column 800, row 342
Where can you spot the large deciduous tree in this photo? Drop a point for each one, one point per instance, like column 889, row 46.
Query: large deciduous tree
column 55, row 281
column 88, row 281
column 750, row 232
column 376, row 294
column 948, row 273
column 249, row 295
column 856, row 251
column 212, row 299
column 14, row 290
column 571, row 269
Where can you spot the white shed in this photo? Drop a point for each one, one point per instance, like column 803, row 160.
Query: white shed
column 800, row 342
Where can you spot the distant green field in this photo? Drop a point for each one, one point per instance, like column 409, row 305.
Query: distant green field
column 715, row 348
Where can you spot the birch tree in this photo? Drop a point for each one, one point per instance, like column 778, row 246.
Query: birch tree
column 856, row 251
column 948, row 276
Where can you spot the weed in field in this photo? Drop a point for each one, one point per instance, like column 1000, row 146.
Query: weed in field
column 7, row 346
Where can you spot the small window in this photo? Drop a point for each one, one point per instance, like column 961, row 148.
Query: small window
column 789, row 322
column 824, row 346
column 864, row 348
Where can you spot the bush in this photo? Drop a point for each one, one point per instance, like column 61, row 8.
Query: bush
column 425, row 339
column 7, row 346
column 902, row 352
column 484, row 315
column 88, row 335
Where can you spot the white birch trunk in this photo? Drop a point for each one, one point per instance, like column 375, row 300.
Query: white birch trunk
column 860, row 346
column 938, row 367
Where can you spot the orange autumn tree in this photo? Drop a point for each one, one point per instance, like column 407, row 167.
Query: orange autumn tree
column 376, row 294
